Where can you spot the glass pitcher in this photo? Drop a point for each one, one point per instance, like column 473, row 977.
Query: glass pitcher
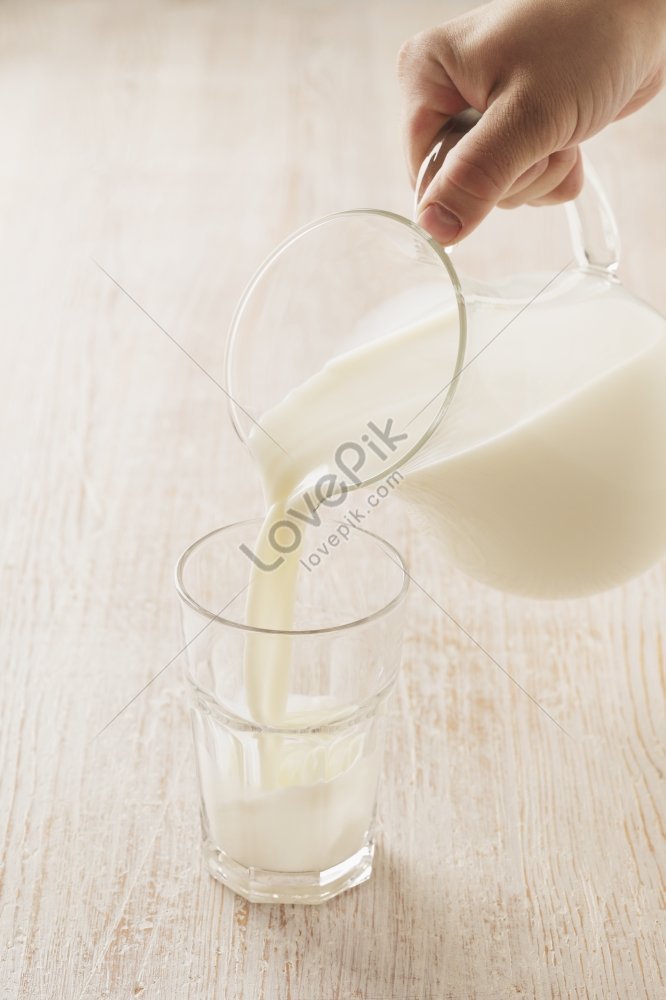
column 524, row 424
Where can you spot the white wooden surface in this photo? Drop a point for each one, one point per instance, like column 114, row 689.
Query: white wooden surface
column 176, row 143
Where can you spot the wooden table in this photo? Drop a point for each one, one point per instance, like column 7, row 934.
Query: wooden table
column 176, row 143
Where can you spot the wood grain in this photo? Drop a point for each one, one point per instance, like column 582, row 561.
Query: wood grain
column 176, row 143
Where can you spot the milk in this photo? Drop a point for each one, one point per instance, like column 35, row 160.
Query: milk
column 546, row 476
column 313, row 813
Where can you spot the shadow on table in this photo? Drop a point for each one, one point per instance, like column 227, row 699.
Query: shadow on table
column 406, row 936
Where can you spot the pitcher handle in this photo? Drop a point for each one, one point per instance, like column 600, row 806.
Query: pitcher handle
column 594, row 234
column 592, row 227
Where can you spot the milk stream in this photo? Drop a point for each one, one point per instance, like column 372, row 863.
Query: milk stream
column 546, row 477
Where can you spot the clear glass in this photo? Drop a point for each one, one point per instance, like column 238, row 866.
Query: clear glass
column 340, row 283
column 288, row 810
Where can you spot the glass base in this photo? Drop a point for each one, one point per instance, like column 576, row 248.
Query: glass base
column 261, row 886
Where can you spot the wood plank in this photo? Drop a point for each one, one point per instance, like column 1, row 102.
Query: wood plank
column 176, row 143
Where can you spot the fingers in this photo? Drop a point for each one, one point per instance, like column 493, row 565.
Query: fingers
column 510, row 139
column 429, row 95
column 526, row 179
column 560, row 167
column 568, row 188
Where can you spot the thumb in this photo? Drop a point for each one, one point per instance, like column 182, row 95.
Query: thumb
column 510, row 139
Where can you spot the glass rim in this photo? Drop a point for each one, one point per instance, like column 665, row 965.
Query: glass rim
column 204, row 612
column 449, row 388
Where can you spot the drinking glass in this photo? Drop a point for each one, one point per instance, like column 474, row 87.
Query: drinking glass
column 288, row 808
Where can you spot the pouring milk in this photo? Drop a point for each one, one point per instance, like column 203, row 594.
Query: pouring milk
column 545, row 476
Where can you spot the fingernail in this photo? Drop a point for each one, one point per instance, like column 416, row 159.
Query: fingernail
column 440, row 223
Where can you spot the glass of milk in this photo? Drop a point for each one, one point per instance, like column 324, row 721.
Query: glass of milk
column 288, row 805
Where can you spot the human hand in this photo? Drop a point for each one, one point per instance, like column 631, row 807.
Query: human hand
column 546, row 74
